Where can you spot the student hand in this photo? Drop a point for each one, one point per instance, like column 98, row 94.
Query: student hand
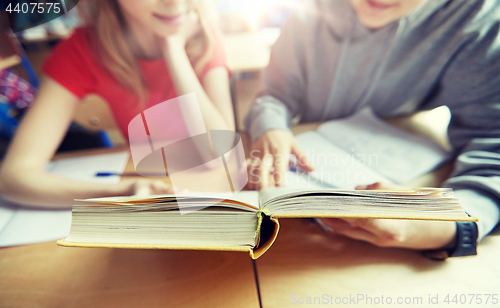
column 272, row 151
column 187, row 30
column 145, row 187
column 412, row 234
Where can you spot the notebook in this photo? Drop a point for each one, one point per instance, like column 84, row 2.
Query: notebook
column 20, row 226
column 363, row 149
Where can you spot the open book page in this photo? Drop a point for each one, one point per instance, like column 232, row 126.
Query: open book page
column 272, row 194
column 392, row 152
column 198, row 219
column 268, row 194
column 211, row 220
column 424, row 204
column 245, row 200
column 206, row 227
column 333, row 166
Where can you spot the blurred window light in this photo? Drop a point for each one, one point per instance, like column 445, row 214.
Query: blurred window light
column 258, row 14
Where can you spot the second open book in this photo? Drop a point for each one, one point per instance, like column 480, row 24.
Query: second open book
column 248, row 221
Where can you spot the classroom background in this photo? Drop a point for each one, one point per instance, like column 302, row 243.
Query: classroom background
column 336, row 267
column 250, row 29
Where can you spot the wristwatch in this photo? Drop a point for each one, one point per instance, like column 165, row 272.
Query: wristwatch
column 464, row 245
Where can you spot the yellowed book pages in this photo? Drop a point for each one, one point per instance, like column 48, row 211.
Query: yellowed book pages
column 267, row 222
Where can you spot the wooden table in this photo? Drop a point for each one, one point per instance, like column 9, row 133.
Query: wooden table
column 305, row 262
column 46, row 275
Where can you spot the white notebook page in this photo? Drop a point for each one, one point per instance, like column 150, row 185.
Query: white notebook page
column 396, row 154
column 20, row 226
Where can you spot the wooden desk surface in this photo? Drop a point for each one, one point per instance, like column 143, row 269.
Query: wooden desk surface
column 304, row 262
column 46, row 275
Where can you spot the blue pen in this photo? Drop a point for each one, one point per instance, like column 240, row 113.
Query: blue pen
column 105, row 174
column 313, row 178
column 321, row 224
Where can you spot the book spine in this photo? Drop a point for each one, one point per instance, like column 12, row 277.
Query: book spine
column 260, row 216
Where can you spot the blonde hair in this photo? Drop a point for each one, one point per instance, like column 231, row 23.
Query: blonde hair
column 114, row 51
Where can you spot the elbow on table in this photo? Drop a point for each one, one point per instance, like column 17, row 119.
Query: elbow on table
column 10, row 184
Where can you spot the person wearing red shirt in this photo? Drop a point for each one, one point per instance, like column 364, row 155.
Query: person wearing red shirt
column 134, row 54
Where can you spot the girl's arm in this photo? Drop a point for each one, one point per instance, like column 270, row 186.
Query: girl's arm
column 213, row 92
column 22, row 176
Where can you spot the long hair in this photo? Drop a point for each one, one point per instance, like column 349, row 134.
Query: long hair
column 109, row 29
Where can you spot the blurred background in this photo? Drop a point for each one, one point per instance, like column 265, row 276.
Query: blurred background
column 250, row 29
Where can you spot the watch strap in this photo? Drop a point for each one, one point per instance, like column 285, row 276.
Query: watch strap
column 466, row 240
column 465, row 243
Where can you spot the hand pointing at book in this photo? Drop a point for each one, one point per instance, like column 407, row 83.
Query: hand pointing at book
column 412, row 234
column 269, row 159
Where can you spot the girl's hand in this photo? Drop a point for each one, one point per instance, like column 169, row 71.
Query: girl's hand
column 413, row 234
column 145, row 187
column 272, row 150
column 190, row 27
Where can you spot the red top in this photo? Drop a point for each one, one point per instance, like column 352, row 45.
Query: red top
column 73, row 65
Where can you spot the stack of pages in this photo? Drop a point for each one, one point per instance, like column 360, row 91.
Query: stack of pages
column 248, row 221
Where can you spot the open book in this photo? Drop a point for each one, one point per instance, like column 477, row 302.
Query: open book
column 362, row 149
column 248, row 221
column 21, row 225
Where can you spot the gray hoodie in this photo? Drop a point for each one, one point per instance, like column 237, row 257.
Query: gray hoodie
column 327, row 65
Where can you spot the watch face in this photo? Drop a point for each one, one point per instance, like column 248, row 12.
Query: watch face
column 24, row 14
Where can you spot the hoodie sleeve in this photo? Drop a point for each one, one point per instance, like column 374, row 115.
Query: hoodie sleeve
column 471, row 89
column 284, row 83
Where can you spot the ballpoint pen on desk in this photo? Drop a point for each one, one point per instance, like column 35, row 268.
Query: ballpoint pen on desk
column 321, row 225
column 153, row 175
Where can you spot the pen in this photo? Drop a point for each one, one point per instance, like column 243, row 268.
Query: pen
column 321, row 224
column 104, row 174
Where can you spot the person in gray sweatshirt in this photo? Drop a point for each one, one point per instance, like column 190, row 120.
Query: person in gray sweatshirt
column 397, row 57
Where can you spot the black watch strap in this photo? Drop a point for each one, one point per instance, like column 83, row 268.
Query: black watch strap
column 465, row 243
column 466, row 240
